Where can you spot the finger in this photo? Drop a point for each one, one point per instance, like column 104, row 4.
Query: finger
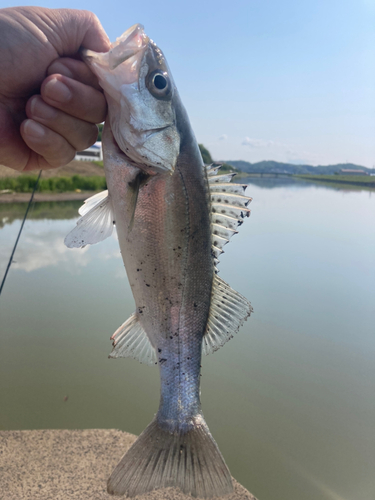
column 74, row 69
column 13, row 151
column 53, row 150
column 79, row 133
column 74, row 98
column 84, row 29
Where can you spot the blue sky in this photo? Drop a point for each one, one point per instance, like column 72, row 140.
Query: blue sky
column 279, row 80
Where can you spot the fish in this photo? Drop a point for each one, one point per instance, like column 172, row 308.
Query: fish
column 173, row 215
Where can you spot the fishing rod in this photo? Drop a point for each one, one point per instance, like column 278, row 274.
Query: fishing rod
column 19, row 233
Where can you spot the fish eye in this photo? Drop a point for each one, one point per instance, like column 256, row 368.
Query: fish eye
column 159, row 84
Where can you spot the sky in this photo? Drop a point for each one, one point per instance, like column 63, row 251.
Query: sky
column 290, row 80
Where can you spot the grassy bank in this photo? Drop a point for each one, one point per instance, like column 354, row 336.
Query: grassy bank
column 25, row 184
column 355, row 180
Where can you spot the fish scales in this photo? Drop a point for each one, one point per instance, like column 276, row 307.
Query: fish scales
column 159, row 198
column 170, row 271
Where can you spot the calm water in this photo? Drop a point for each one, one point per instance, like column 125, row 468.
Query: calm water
column 290, row 400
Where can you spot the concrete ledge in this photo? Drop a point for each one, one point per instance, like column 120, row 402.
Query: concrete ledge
column 67, row 465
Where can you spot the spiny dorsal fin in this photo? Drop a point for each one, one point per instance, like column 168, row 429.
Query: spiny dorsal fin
column 228, row 207
column 96, row 223
column 131, row 341
column 228, row 311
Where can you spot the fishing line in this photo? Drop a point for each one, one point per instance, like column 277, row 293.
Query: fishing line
column 20, row 231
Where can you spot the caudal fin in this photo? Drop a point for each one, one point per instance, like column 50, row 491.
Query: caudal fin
column 190, row 461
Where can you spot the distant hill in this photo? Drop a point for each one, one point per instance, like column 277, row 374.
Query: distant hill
column 276, row 167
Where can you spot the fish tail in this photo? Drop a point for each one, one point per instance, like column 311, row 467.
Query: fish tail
column 189, row 460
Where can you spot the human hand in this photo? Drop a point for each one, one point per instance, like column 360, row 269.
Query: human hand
column 49, row 99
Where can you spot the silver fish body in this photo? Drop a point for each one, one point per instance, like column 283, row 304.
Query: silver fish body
column 170, row 227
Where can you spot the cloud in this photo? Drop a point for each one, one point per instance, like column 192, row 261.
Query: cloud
column 223, row 137
column 42, row 245
column 257, row 143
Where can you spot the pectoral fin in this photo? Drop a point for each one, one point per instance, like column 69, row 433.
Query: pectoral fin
column 135, row 186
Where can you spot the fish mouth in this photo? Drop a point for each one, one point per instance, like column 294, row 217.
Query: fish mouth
column 127, row 51
column 128, row 45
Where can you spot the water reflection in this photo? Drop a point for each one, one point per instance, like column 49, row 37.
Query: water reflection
column 52, row 210
column 42, row 243
column 269, row 182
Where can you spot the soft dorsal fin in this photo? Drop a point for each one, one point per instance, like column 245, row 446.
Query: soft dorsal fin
column 228, row 207
column 228, row 311
column 96, row 223
column 131, row 341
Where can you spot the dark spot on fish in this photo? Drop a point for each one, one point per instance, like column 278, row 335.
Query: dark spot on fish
column 195, row 304
column 114, row 222
column 171, row 338
column 162, row 360
column 187, row 358
column 147, row 284
column 159, row 350
column 140, row 310
column 179, row 248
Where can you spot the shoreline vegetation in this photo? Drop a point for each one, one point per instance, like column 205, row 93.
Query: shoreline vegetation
column 81, row 179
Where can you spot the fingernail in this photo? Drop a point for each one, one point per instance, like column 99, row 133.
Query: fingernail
column 33, row 129
column 57, row 91
column 40, row 109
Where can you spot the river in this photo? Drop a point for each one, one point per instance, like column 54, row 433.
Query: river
column 290, row 400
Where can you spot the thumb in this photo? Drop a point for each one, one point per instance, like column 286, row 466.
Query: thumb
column 65, row 29
column 79, row 28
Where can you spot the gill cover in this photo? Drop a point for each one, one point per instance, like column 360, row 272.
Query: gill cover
column 139, row 89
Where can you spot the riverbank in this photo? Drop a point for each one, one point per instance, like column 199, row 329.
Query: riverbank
column 83, row 168
column 353, row 180
column 38, row 197
column 71, row 465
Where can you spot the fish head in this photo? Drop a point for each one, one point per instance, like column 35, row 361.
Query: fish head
column 139, row 89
